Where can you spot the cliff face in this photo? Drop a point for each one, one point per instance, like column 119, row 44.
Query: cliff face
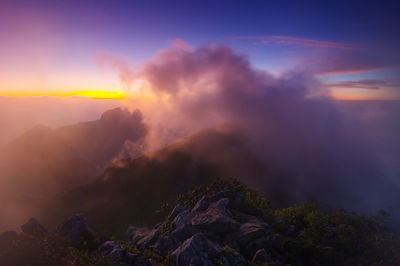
column 223, row 223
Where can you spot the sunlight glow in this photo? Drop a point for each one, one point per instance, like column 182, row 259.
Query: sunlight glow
column 95, row 94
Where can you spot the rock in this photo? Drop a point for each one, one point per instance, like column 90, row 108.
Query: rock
column 260, row 256
column 130, row 232
column 184, row 232
column 108, row 246
column 136, row 233
column 202, row 204
column 149, row 239
column 240, row 216
column 165, row 244
column 7, row 239
column 216, row 218
column 236, row 200
column 34, row 228
column 183, row 218
column 266, row 243
column 139, row 234
column 177, row 210
column 197, row 250
column 248, row 232
column 118, row 254
column 76, row 229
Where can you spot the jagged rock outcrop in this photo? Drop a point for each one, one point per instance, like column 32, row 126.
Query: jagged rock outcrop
column 76, row 229
column 225, row 228
column 217, row 230
column 260, row 257
column 197, row 250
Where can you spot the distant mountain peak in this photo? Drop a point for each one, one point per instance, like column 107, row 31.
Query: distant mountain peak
column 115, row 114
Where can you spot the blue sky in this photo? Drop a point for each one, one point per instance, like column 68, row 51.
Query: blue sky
column 54, row 43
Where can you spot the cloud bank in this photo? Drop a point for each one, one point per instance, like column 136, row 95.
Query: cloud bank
column 290, row 122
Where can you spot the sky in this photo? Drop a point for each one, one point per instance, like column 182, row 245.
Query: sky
column 52, row 48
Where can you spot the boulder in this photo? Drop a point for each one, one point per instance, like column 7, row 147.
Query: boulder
column 34, row 228
column 177, row 210
column 184, row 232
column 248, row 232
column 149, row 239
column 202, row 204
column 76, row 229
column 184, row 218
column 138, row 234
column 165, row 244
column 130, row 232
column 197, row 250
column 261, row 257
column 108, row 246
column 265, row 242
column 216, row 218
column 236, row 200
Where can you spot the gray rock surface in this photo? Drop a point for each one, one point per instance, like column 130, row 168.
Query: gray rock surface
column 76, row 229
column 248, row 231
column 197, row 250
column 216, row 218
column 261, row 256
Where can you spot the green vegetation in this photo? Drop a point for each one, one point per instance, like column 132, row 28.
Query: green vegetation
column 313, row 235
column 50, row 250
column 308, row 235
column 336, row 238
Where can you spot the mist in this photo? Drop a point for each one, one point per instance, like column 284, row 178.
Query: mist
column 281, row 134
column 318, row 148
column 19, row 114
column 43, row 161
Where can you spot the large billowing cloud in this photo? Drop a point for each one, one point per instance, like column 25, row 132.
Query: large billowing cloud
column 289, row 121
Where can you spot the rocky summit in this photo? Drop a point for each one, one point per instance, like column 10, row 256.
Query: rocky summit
column 213, row 226
column 216, row 231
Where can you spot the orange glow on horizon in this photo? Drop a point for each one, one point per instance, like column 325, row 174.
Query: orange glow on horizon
column 351, row 94
column 94, row 94
column 337, row 94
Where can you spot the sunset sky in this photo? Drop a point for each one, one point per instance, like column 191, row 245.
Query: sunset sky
column 51, row 48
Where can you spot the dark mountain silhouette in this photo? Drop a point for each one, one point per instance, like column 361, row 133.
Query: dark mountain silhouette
column 44, row 162
column 133, row 189
column 49, row 160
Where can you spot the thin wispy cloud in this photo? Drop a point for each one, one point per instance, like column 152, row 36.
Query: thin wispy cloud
column 301, row 42
column 344, row 62
column 370, row 84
